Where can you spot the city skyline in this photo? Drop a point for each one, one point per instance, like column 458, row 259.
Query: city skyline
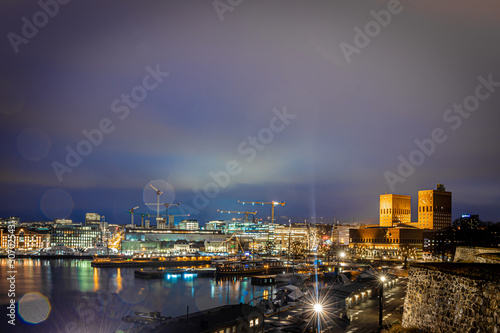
column 305, row 105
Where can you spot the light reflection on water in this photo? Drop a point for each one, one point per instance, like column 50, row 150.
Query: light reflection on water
column 87, row 299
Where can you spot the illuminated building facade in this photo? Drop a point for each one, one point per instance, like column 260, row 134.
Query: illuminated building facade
column 394, row 209
column 25, row 239
column 92, row 217
column 189, row 225
column 215, row 225
column 260, row 236
column 434, row 208
column 293, row 238
column 380, row 242
column 340, row 234
column 76, row 235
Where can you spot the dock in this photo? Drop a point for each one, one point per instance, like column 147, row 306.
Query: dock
column 173, row 273
column 140, row 263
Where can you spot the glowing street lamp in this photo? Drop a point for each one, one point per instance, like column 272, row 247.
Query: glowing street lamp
column 318, row 308
column 380, row 302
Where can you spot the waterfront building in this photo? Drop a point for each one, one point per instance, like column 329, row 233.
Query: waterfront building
column 181, row 245
column 340, row 234
column 92, row 217
column 63, row 221
column 215, row 225
column 25, row 239
column 161, row 241
column 257, row 236
column 75, row 235
column 292, row 238
column 238, row 318
column 346, row 296
column 380, row 242
column 434, row 208
column 394, row 209
column 189, row 225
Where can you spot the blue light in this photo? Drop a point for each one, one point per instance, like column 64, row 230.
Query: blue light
column 465, row 215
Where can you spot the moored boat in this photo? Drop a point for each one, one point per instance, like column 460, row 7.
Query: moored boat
column 237, row 269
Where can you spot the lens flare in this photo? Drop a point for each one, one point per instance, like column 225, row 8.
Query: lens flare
column 34, row 308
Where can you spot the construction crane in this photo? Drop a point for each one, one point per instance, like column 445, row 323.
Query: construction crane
column 272, row 203
column 168, row 205
column 171, row 219
column 143, row 215
column 131, row 211
column 158, row 193
column 236, row 212
column 237, row 240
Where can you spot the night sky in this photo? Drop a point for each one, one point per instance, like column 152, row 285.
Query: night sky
column 315, row 103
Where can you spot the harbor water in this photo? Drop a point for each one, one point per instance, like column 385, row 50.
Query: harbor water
column 68, row 295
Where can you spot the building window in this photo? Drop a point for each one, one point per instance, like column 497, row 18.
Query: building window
column 256, row 321
column 251, row 323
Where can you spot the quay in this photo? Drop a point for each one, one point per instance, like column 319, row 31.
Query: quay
column 173, row 272
column 138, row 263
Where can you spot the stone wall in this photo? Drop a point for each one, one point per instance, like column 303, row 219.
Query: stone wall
column 453, row 298
column 477, row 254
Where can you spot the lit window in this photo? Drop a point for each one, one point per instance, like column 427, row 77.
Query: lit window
column 256, row 321
column 251, row 323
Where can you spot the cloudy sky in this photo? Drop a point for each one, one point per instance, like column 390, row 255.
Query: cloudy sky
column 322, row 104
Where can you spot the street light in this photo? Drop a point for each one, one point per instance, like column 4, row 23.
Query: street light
column 380, row 303
column 318, row 308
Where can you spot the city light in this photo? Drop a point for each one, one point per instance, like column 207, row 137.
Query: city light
column 318, row 307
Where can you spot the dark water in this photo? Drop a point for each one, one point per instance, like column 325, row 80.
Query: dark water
column 85, row 299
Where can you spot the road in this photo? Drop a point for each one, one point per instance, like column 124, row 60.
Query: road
column 365, row 315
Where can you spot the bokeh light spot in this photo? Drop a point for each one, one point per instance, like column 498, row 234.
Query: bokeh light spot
column 34, row 308
column 150, row 198
column 33, row 144
column 56, row 204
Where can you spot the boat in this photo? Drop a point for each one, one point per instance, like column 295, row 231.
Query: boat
column 99, row 251
column 145, row 317
column 58, row 250
column 162, row 272
column 238, row 268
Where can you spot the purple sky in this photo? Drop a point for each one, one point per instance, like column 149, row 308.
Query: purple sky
column 355, row 105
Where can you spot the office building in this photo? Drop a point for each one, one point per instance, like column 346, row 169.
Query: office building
column 76, row 235
column 394, row 209
column 468, row 221
column 434, row 208
column 189, row 225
